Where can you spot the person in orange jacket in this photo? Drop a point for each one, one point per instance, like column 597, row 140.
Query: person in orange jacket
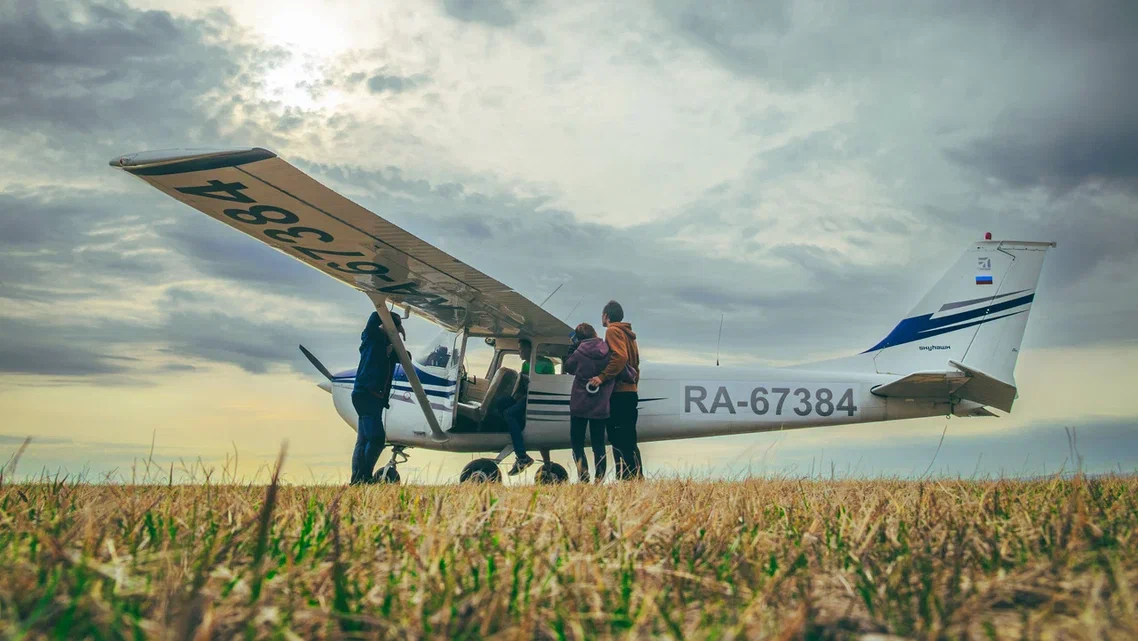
column 624, row 368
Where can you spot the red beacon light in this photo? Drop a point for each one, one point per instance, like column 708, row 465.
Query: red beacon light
column 988, row 235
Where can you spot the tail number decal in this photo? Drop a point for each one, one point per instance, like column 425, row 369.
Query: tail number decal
column 763, row 401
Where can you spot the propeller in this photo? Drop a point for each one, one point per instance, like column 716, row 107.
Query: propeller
column 316, row 363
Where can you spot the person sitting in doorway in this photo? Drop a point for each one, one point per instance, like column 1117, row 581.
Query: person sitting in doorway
column 513, row 408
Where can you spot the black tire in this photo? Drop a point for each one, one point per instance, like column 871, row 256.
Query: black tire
column 386, row 475
column 482, row 470
column 552, row 474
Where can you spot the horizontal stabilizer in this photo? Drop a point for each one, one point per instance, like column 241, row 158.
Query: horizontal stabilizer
column 965, row 384
column 985, row 389
column 924, row 385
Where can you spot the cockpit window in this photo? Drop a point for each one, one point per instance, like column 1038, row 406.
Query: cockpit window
column 440, row 352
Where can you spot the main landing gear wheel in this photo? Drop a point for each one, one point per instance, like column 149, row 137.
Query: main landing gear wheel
column 552, row 474
column 482, row 470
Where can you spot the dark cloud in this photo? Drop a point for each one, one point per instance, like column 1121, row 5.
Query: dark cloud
column 381, row 83
column 102, row 66
column 1059, row 156
column 795, row 45
column 81, row 82
column 251, row 345
column 27, row 348
column 1059, row 72
column 92, row 79
column 1078, row 125
column 80, row 247
column 1037, row 449
column 675, row 295
column 490, row 12
column 227, row 254
column 477, row 229
column 737, row 33
column 70, row 244
column 19, row 440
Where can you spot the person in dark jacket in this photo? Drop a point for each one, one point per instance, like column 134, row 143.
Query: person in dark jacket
column 588, row 409
column 370, row 395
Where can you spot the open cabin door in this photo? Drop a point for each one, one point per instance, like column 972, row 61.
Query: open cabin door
column 437, row 364
column 547, row 406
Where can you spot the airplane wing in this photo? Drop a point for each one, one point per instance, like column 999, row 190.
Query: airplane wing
column 966, row 383
column 258, row 193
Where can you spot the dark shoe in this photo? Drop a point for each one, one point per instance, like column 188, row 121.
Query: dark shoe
column 520, row 464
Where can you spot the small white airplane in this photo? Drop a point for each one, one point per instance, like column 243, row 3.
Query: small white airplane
column 954, row 354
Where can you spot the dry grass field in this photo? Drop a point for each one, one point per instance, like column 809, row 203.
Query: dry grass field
column 782, row 559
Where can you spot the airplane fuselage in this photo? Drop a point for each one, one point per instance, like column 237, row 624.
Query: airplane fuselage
column 675, row 402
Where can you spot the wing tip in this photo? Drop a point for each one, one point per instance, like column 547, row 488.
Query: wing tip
column 179, row 161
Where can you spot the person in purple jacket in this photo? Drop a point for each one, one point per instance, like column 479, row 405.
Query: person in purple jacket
column 588, row 407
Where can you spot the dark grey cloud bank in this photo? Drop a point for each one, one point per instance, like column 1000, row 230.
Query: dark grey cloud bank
column 70, row 250
column 1100, row 446
column 1016, row 117
column 495, row 13
column 995, row 150
column 95, row 80
column 81, row 82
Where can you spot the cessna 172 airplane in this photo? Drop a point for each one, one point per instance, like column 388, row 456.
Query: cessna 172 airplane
column 954, row 354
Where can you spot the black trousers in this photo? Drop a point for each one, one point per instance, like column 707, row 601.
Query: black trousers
column 596, row 428
column 370, row 436
column 627, row 463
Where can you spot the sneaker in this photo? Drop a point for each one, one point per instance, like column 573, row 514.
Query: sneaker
column 520, row 464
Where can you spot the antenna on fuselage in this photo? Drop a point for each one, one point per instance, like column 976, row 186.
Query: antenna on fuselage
column 573, row 310
column 551, row 295
column 719, row 340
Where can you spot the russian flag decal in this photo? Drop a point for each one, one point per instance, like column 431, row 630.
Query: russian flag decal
column 983, row 279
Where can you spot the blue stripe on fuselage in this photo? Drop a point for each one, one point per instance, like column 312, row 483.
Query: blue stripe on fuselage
column 349, row 376
column 925, row 326
column 428, row 392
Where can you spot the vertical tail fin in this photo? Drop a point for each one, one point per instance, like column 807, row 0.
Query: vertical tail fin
column 975, row 315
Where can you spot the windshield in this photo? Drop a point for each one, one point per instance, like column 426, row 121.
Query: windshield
column 438, row 353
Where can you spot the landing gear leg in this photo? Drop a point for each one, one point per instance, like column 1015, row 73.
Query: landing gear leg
column 388, row 473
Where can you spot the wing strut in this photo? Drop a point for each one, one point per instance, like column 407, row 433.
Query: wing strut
column 437, row 433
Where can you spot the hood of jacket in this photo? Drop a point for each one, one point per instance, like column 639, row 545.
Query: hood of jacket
column 594, row 348
column 624, row 327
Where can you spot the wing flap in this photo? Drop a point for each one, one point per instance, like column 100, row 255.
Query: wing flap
column 256, row 192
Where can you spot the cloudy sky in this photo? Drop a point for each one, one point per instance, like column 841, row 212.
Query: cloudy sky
column 803, row 169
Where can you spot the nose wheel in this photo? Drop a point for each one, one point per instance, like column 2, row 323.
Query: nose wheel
column 389, row 473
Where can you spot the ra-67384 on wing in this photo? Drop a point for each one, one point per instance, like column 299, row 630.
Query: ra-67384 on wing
column 954, row 353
